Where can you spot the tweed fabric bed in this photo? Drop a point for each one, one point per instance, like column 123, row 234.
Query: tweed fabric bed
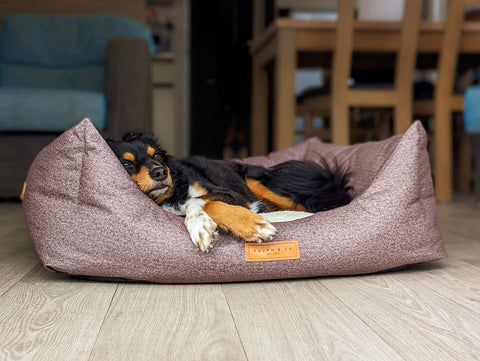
column 87, row 217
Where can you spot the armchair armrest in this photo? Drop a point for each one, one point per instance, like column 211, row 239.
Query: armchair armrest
column 128, row 86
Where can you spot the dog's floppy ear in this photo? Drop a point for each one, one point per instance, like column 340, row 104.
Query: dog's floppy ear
column 105, row 135
column 145, row 136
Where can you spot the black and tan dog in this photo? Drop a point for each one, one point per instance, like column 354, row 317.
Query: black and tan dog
column 214, row 194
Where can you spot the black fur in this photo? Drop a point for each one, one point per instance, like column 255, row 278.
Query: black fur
column 318, row 187
column 215, row 176
column 315, row 186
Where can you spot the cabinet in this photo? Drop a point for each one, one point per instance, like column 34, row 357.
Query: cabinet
column 170, row 78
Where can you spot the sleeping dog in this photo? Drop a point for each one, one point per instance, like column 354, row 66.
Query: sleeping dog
column 227, row 195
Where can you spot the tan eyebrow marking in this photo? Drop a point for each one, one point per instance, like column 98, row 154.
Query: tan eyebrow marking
column 129, row 156
column 150, row 151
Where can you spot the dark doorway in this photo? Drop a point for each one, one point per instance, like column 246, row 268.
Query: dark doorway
column 220, row 73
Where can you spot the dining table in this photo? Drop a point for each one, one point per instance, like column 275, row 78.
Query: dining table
column 284, row 39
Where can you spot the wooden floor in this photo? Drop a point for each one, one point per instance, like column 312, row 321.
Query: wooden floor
column 427, row 312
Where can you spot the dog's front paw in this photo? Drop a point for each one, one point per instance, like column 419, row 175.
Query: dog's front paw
column 252, row 227
column 260, row 231
column 242, row 222
column 203, row 230
column 265, row 231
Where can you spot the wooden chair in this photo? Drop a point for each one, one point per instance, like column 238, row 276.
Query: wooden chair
column 443, row 105
column 400, row 97
column 343, row 97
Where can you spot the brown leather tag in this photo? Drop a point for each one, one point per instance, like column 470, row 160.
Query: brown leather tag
column 24, row 188
column 272, row 251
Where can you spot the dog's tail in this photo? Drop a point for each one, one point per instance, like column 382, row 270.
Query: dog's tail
column 318, row 187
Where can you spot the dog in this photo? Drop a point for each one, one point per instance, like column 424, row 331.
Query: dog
column 228, row 195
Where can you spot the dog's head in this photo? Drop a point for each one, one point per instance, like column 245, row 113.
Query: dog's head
column 146, row 163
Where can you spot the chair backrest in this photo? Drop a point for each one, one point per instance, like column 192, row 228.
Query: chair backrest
column 405, row 64
column 446, row 68
column 60, row 51
column 407, row 54
column 342, row 60
column 447, row 60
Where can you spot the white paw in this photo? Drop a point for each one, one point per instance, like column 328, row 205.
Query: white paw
column 265, row 231
column 203, row 230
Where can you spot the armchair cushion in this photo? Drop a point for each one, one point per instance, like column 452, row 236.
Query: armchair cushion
column 471, row 112
column 49, row 110
column 90, row 77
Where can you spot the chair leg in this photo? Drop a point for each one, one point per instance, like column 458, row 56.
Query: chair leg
column 340, row 123
column 443, row 155
column 308, row 125
column 342, row 60
column 402, row 116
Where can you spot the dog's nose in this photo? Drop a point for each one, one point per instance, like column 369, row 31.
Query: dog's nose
column 158, row 173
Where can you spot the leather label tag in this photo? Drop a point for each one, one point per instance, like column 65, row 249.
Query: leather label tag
column 272, row 251
column 24, row 188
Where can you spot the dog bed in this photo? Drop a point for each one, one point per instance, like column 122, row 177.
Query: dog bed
column 86, row 216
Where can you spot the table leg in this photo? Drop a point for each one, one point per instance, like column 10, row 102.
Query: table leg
column 284, row 90
column 259, row 125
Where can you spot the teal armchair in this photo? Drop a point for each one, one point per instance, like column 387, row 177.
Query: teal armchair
column 57, row 70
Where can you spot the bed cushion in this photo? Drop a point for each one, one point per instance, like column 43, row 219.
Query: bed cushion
column 87, row 217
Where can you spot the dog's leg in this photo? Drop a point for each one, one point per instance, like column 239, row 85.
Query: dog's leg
column 240, row 221
column 202, row 228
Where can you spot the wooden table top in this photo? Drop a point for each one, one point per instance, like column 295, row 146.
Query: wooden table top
column 371, row 36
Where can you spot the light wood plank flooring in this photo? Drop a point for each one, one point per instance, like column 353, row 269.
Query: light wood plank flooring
column 429, row 311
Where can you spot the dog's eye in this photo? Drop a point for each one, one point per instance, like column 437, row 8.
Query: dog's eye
column 157, row 156
column 128, row 166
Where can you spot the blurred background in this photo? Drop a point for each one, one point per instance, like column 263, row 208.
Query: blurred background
column 235, row 78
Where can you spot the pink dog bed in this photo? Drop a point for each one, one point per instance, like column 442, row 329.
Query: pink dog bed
column 87, row 217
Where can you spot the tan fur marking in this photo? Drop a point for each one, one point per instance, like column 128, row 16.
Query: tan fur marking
column 163, row 197
column 150, row 151
column 239, row 220
column 263, row 193
column 196, row 190
column 129, row 156
column 169, row 193
column 142, row 178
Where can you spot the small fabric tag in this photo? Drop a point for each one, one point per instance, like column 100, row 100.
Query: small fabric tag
column 272, row 251
column 24, row 188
